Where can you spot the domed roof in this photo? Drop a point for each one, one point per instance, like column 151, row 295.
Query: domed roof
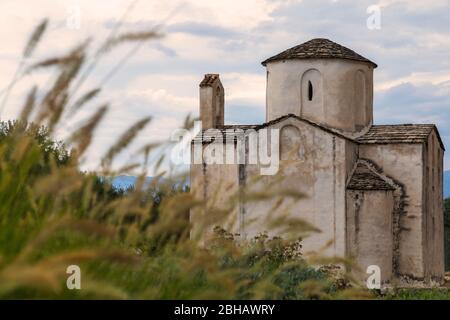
column 319, row 49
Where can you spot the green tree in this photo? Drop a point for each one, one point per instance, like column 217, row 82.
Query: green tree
column 447, row 232
column 38, row 136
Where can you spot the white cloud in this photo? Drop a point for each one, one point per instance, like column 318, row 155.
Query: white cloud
column 417, row 78
column 245, row 88
column 231, row 38
column 414, row 5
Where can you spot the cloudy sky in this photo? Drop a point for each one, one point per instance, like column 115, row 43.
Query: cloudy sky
column 411, row 48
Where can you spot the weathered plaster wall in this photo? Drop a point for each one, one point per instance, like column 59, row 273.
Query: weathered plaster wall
column 351, row 156
column 370, row 231
column 313, row 161
column 317, row 169
column 216, row 184
column 342, row 94
column 404, row 163
column 433, row 225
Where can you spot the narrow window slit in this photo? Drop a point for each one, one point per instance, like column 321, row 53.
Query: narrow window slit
column 310, row 91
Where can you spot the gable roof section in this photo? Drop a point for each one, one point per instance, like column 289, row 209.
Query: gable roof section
column 227, row 133
column 399, row 133
column 319, row 49
column 365, row 177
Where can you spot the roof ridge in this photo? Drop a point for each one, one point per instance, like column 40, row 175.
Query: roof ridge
column 403, row 124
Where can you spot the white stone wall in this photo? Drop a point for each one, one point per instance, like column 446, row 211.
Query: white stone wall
column 342, row 92
column 433, row 225
column 404, row 163
column 370, row 238
column 318, row 169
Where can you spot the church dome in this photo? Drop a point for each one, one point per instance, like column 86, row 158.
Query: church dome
column 319, row 49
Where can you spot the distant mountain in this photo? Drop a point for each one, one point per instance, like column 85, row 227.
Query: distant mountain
column 125, row 182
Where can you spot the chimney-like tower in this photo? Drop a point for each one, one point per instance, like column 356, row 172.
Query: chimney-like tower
column 211, row 102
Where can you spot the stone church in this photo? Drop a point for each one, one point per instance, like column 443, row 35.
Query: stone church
column 375, row 192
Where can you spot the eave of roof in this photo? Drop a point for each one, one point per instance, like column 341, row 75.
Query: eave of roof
column 399, row 133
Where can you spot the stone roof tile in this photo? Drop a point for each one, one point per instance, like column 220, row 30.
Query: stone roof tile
column 398, row 133
column 209, row 80
column 319, row 49
column 364, row 178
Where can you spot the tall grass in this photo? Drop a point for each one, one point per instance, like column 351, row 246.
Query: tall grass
column 134, row 244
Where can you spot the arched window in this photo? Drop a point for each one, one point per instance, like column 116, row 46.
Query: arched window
column 311, row 93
